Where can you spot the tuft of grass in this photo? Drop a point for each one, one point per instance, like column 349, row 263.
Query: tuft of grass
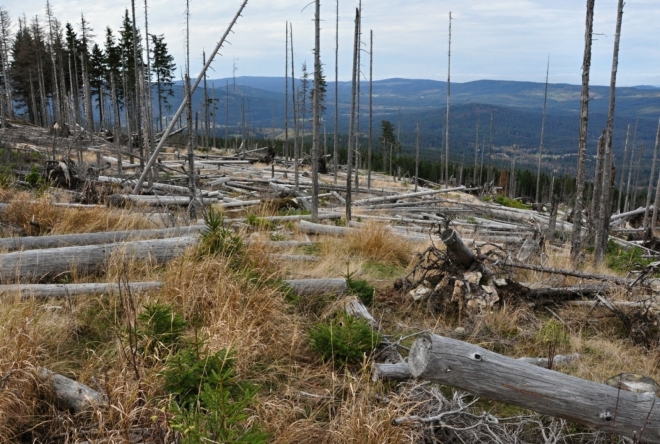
column 376, row 242
column 344, row 340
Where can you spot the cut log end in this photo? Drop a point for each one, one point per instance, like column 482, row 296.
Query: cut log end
column 420, row 356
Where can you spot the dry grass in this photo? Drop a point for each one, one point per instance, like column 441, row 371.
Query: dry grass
column 40, row 216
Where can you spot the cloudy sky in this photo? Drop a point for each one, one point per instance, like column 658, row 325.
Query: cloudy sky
column 491, row 39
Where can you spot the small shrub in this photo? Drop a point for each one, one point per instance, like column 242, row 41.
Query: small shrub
column 208, row 402
column 344, row 340
column 623, row 259
column 160, row 328
column 362, row 289
column 34, row 177
column 216, row 239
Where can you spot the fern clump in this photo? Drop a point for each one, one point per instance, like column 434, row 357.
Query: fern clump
column 344, row 340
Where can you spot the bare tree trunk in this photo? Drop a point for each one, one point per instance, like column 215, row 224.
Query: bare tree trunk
column 448, row 95
column 476, row 155
column 603, row 225
column 623, row 166
column 296, row 148
column 490, row 151
column 545, row 105
column 417, row 159
column 576, row 240
column 657, row 190
column 352, row 115
column 639, row 167
column 357, row 149
column 286, row 97
column 650, row 187
column 335, row 156
column 371, row 106
column 630, row 169
column 597, row 191
column 116, row 130
column 206, row 106
column 138, row 61
column 317, row 113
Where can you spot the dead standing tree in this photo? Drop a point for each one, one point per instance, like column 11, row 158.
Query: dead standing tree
column 576, row 240
column 352, row 115
column 545, row 106
column 170, row 127
column 317, row 112
column 603, row 221
column 447, row 116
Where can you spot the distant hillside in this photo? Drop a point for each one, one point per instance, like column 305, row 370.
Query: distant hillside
column 516, row 108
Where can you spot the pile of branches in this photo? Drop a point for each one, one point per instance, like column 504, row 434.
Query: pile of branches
column 458, row 419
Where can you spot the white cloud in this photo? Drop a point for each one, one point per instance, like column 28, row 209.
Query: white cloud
column 504, row 39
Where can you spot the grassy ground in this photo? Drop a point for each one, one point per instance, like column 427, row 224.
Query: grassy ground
column 231, row 311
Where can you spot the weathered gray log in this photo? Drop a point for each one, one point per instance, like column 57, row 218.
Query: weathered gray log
column 23, row 266
column 71, row 395
column 122, row 200
column 484, row 373
column 549, row 296
column 462, row 253
column 556, row 360
column 390, row 372
column 64, row 290
column 354, row 307
column 404, row 196
column 308, row 287
column 565, row 272
column 312, row 228
column 530, row 251
column 103, row 237
column 238, row 203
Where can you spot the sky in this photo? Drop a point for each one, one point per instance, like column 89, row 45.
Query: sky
column 491, row 39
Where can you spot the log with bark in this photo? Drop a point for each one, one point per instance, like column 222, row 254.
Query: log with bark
column 484, row 373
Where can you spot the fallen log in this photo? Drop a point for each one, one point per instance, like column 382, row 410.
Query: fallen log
column 64, row 290
column 23, row 266
column 71, row 395
column 484, row 373
column 391, row 372
column 103, row 237
column 312, row 228
column 374, row 200
column 309, row 287
column 565, row 272
column 401, row 371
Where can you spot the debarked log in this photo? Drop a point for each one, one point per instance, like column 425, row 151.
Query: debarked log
column 71, row 395
column 484, row 373
column 102, row 237
column 31, row 265
column 308, row 287
column 465, row 257
column 64, row 290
